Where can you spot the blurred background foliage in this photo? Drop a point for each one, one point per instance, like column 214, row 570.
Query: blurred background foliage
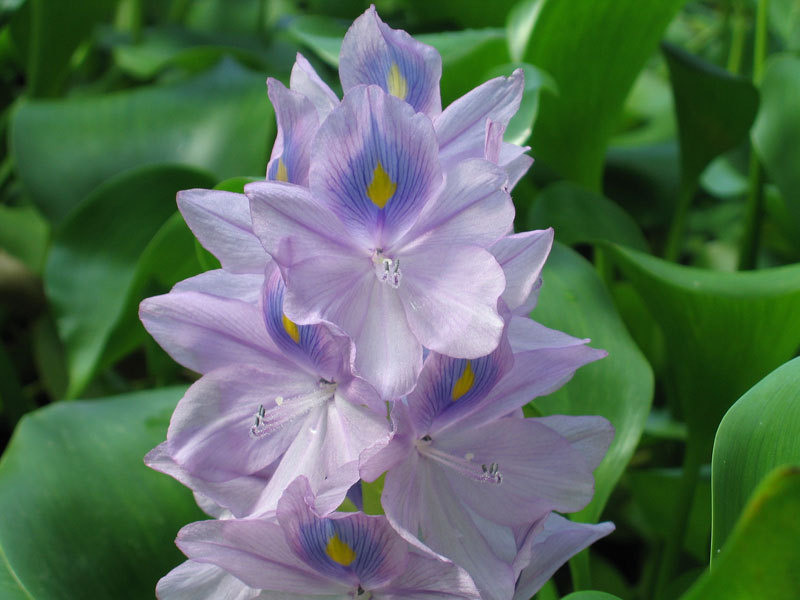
column 667, row 144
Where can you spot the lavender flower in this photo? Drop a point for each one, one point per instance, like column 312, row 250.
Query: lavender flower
column 306, row 554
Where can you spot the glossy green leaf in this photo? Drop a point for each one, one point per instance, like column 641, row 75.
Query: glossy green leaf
column 654, row 493
column 24, row 234
column 760, row 432
column 714, row 108
column 618, row 387
column 57, row 28
column 81, row 516
column 777, row 129
column 579, row 216
column 723, row 331
column 760, row 559
column 92, row 265
column 594, row 50
column 219, row 120
column 590, row 595
column 467, row 58
column 465, row 13
column 322, row 34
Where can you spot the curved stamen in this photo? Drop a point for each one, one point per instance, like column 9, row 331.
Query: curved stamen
column 387, row 270
column 463, row 466
column 287, row 410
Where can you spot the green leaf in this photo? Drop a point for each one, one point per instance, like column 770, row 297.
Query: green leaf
column 653, row 491
column 777, row 129
column 579, row 216
column 81, row 516
column 714, row 109
column 467, row 57
column 594, row 50
column 219, row 120
column 760, row 559
column 723, row 331
column 57, row 28
column 590, row 595
column 92, row 265
column 618, row 387
column 760, row 432
column 322, row 34
column 24, row 234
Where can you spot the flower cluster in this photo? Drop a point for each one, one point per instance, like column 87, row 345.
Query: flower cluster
column 370, row 320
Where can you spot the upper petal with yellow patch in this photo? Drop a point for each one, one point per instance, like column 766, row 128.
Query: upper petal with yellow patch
column 297, row 124
column 375, row 54
column 374, row 164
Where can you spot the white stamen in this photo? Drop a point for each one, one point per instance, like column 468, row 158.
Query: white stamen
column 283, row 413
column 469, row 456
column 483, row 473
column 387, row 270
column 278, row 400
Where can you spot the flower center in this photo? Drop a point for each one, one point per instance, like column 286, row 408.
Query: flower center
column 387, row 269
column 463, row 466
column 287, row 410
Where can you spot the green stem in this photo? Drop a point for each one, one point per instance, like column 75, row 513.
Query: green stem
column 683, row 504
column 738, row 31
column 755, row 196
column 672, row 250
column 580, row 571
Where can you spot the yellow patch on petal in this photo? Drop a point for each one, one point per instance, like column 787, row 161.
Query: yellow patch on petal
column 397, row 84
column 381, row 189
column 339, row 551
column 464, row 383
column 291, row 328
column 282, row 174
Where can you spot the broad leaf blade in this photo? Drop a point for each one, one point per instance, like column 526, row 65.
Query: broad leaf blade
column 714, row 108
column 760, row 432
column 81, row 516
column 91, row 268
column 760, row 560
column 579, row 216
column 219, row 121
column 618, row 387
column 723, row 331
column 593, row 49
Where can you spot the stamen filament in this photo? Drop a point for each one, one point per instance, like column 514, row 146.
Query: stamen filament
column 287, row 410
column 483, row 473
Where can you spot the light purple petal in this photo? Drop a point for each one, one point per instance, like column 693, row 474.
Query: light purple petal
column 448, row 388
column 450, row 295
column 294, row 227
column 386, row 455
column 375, row 165
column 304, row 80
column 428, row 578
column 214, row 432
column 419, row 500
column 255, row 551
column 514, row 163
column 375, row 54
column 461, row 128
column 537, row 372
column 370, row 551
column 297, row 124
column 205, row 332
column 589, row 435
column 237, row 286
column 522, row 257
column 314, row 347
column 325, row 450
column 239, row 496
column 539, row 468
column 192, row 580
column 472, row 208
column 221, row 221
column 560, row 540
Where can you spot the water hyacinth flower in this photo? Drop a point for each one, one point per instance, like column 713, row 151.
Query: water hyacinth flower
column 385, row 247
column 375, row 54
column 306, row 554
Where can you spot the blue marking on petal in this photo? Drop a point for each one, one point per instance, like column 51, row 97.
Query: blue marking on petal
column 307, row 344
column 345, row 549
